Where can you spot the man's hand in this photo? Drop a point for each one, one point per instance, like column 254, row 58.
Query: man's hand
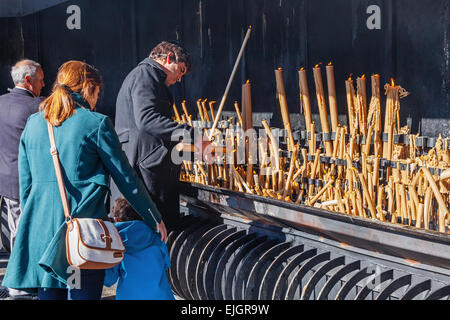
column 204, row 150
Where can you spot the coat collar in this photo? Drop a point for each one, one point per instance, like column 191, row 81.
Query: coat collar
column 22, row 91
column 156, row 66
column 80, row 100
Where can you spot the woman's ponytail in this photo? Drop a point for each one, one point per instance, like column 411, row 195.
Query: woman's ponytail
column 73, row 77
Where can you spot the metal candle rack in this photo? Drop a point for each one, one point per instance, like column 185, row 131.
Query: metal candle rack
column 394, row 176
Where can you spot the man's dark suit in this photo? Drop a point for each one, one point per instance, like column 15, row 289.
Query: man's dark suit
column 15, row 108
column 144, row 124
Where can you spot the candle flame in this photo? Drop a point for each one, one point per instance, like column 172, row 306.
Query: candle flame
column 363, row 76
column 329, row 63
column 248, row 81
column 317, row 65
column 280, row 69
column 392, row 82
column 301, row 69
column 350, row 77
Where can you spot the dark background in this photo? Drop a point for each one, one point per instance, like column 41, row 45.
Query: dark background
column 412, row 47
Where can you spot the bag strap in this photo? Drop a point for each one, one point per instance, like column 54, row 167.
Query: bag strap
column 59, row 176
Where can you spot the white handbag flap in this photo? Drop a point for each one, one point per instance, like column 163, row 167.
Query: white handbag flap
column 117, row 243
column 93, row 235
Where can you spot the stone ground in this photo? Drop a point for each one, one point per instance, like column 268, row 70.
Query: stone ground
column 108, row 293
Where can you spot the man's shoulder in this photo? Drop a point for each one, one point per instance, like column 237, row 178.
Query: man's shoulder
column 14, row 107
column 147, row 68
column 5, row 95
column 149, row 63
column 144, row 75
column 12, row 97
column 8, row 96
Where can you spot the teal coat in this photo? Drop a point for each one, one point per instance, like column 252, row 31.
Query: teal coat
column 89, row 152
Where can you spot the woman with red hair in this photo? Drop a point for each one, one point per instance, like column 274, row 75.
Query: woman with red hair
column 90, row 153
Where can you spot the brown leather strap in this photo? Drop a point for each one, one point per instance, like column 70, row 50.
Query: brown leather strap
column 106, row 236
column 59, row 176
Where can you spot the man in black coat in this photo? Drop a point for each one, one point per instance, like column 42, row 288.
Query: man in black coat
column 145, row 127
column 15, row 108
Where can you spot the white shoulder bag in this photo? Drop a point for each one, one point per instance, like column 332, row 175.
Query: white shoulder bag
column 90, row 243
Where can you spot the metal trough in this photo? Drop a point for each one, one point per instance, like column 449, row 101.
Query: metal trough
column 240, row 246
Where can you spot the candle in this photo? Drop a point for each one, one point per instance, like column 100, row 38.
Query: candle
column 322, row 108
column 367, row 196
column 332, row 97
column 348, row 89
column 236, row 107
column 375, row 114
column 281, row 94
column 312, row 140
column 175, row 110
column 291, row 171
column 390, row 142
column 321, row 191
column 304, row 98
column 376, row 94
column 380, row 197
column 427, row 208
column 275, row 159
column 443, row 211
column 247, row 106
column 247, row 124
column 389, row 118
column 183, row 104
column 211, row 107
column 200, row 110
column 362, row 98
column 205, row 111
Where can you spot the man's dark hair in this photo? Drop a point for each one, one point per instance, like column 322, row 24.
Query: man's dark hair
column 123, row 211
column 181, row 55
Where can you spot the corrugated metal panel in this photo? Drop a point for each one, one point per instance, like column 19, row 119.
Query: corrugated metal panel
column 411, row 46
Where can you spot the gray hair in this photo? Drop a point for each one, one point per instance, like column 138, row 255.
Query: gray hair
column 22, row 69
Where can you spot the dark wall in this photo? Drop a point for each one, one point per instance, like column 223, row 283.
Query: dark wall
column 412, row 47
column 11, row 49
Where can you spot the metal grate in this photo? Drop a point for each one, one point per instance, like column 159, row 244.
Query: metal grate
column 212, row 260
